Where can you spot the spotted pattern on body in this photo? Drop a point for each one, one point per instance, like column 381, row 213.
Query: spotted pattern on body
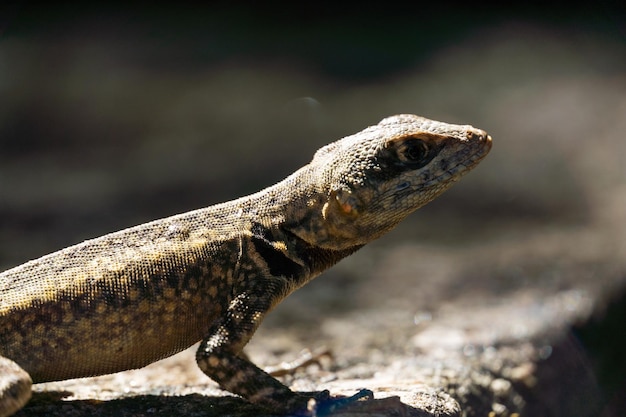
column 127, row 299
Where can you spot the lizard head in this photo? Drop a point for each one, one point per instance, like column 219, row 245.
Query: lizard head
column 378, row 176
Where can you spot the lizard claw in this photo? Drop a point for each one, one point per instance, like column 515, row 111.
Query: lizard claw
column 323, row 405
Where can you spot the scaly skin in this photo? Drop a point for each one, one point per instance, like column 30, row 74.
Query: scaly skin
column 129, row 298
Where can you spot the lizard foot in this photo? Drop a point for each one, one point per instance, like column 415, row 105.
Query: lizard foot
column 323, row 405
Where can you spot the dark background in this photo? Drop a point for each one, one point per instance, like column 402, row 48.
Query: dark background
column 112, row 116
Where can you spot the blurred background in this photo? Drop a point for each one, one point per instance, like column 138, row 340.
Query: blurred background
column 110, row 117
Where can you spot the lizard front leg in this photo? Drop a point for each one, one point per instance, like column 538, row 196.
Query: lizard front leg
column 219, row 356
column 219, row 353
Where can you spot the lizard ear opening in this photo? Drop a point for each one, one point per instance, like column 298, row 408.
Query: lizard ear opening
column 341, row 203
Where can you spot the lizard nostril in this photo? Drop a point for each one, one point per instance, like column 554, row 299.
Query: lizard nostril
column 477, row 134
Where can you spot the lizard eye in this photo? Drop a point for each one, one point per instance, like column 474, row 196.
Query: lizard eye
column 414, row 152
column 411, row 152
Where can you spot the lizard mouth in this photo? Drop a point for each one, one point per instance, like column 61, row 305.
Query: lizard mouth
column 465, row 165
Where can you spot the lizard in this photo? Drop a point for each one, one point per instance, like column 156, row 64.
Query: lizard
column 129, row 298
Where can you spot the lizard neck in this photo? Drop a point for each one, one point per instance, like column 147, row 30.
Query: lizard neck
column 285, row 223
column 295, row 203
column 321, row 259
column 308, row 205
